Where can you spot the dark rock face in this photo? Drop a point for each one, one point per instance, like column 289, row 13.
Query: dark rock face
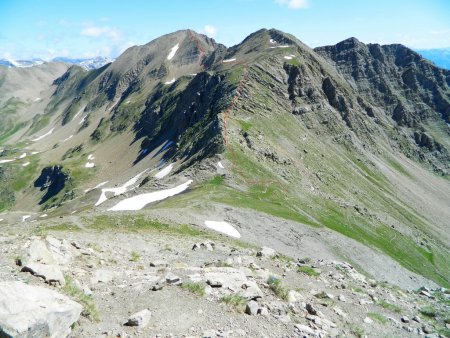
column 396, row 85
column 52, row 179
column 386, row 74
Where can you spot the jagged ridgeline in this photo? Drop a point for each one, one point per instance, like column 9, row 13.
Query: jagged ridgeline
column 350, row 137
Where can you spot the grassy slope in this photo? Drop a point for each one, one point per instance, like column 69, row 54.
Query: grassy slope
column 344, row 182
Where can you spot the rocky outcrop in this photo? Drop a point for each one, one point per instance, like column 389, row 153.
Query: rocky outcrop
column 30, row 311
column 396, row 82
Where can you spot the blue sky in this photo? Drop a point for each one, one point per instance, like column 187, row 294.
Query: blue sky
column 49, row 28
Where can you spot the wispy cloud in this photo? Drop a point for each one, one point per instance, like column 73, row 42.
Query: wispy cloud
column 293, row 4
column 96, row 31
column 210, row 30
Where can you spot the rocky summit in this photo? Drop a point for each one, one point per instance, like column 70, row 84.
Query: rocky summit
column 188, row 189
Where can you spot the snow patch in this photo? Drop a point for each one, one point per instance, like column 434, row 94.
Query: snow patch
column 78, row 113
column 24, row 218
column 89, row 165
column 23, row 155
column 170, row 82
column 97, row 186
column 43, row 136
column 173, row 51
column 289, row 57
column 1, row 219
column 82, row 120
column 272, row 41
column 164, row 172
column 37, row 99
column 285, row 46
column 6, row 161
column 223, row 227
column 140, row 201
column 35, row 152
column 67, row 139
column 25, row 164
column 220, row 165
column 119, row 190
column 229, row 60
column 43, row 215
column 91, row 157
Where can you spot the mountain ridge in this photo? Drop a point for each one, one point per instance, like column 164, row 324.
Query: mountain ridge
column 330, row 137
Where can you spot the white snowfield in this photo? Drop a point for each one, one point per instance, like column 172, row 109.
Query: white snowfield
column 25, row 164
column 119, row 190
column 229, row 60
column 170, row 82
column 89, row 165
column 284, row 46
column 173, row 51
column 8, row 160
column 164, row 172
column 223, row 227
column 97, row 186
column 220, row 165
column 43, row 136
column 140, row 201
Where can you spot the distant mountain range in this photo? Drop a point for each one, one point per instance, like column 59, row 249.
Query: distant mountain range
column 90, row 63
column 440, row 57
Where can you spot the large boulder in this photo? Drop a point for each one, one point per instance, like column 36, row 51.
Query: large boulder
column 230, row 280
column 28, row 311
column 50, row 273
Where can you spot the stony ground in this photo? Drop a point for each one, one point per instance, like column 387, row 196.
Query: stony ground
column 151, row 280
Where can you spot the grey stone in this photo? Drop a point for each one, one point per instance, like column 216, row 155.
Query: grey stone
column 303, row 329
column 252, row 308
column 33, row 311
column 367, row 320
column 214, row 283
column 159, row 264
column 266, row 252
column 263, row 311
column 405, row 319
column 311, row 309
column 103, row 276
column 38, row 252
column 141, row 318
column 172, row 279
column 427, row 329
column 231, row 279
column 50, row 273
column 416, row 319
column 294, row 296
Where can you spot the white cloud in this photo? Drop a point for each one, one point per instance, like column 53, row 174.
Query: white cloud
column 293, row 4
column 95, row 32
column 210, row 30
